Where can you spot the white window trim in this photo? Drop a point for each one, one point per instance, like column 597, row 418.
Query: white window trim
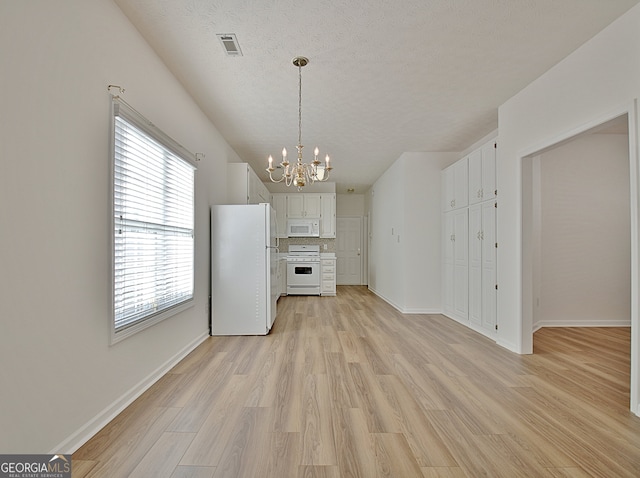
column 120, row 108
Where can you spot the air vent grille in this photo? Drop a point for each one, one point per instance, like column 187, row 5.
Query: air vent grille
column 230, row 44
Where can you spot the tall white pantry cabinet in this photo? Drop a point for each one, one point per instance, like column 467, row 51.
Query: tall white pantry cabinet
column 469, row 208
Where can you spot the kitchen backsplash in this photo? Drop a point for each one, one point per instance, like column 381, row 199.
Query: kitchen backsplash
column 331, row 243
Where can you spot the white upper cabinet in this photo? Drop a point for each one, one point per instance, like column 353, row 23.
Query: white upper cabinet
column 303, row 206
column 482, row 173
column 279, row 203
column 306, row 206
column 244, row 185
column 455, row 185
column 328, row 215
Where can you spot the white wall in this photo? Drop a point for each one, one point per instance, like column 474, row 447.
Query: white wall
column 350, row 205
column 60, row 378
column 598, row 81
column 386, row 277
column 323, row 187
column 585, row 250
column 404, row 266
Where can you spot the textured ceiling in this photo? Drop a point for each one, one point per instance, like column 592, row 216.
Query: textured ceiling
column 384, row 77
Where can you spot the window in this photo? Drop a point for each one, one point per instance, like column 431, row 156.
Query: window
column 153, row 224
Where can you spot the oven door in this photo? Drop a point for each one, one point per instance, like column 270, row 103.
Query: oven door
column 303, row 278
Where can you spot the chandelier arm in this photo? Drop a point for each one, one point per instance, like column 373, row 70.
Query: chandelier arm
column 274, row 180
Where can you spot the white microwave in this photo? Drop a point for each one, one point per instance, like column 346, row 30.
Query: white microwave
column 303, row 228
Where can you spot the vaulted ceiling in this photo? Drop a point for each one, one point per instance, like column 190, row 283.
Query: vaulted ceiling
column 384, row 77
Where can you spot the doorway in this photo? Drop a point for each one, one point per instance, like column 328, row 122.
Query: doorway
column 349, row 251
column 581, row 230
column 562, row 287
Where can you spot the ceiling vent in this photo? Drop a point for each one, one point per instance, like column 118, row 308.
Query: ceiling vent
column 230, row 44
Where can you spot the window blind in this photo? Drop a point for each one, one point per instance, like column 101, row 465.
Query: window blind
column 153, row 219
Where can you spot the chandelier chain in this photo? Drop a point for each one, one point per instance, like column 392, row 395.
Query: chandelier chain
column 299, row 104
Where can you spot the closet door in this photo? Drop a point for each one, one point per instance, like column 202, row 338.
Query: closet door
column 475, row 264
column 489, row 278
column 461, row 264
column 448, row 247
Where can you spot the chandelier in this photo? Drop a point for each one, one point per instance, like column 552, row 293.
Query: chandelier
column 301, row 173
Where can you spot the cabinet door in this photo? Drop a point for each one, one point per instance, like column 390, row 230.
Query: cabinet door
column 461, row 264
column 455, row 185
column 303, row 205
column 295, row 206
column 312, row 205
column 489, row 293
column 461, row 183
column 475, row 177
column 448, row 190
column 475, row 264
column 238, row 183
column 489, row 171
column 448, row 242
column 254, row 186
column 482, row 173
column 279, row 203
column 328, row 215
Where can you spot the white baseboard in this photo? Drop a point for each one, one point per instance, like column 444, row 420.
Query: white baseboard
column 421, row 311
column 93, row 426
column 582, row 323
column 388, row 301
column 406, row 310
column 509, row 346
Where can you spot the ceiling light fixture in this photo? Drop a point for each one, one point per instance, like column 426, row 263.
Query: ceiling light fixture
column 301, row 173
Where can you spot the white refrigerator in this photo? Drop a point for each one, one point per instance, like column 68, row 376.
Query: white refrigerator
column 244, row 287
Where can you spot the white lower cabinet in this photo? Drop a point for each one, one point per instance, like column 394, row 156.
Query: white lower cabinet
column 328, row 274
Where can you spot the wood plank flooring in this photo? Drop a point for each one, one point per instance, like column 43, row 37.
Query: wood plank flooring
column 347, row 386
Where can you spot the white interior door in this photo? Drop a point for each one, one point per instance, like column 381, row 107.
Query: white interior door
column 349, row 250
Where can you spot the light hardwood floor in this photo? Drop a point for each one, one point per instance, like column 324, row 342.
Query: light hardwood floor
column 347, row 386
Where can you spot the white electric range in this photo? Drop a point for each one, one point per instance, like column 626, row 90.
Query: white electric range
column 303, row 270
